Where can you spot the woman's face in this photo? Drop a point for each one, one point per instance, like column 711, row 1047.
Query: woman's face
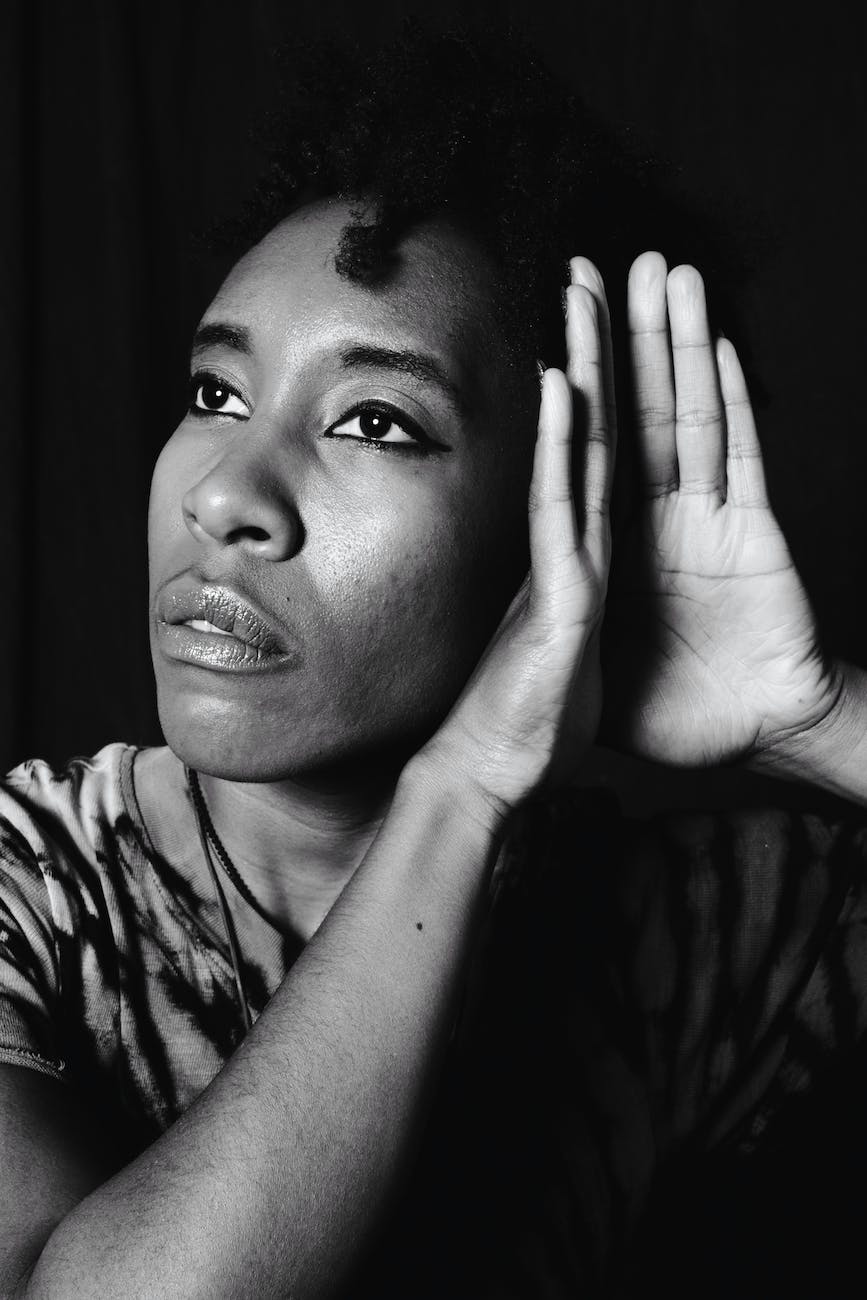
column 346, row 497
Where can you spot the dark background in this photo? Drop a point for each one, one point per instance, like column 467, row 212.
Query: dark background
column 125, row 128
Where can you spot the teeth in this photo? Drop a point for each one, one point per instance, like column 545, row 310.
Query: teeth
column 201, row 625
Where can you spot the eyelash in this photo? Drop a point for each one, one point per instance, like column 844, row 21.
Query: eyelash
column 198, row 381
column 422, row 445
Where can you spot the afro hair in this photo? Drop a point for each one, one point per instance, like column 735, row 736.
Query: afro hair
column 470, row 124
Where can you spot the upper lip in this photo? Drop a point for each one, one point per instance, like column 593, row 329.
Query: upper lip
column 188, row 597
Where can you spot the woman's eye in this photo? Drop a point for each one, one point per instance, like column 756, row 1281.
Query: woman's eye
column 210, row 396
column 378, row 426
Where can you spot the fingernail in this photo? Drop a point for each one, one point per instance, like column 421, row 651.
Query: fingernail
column 540, row 371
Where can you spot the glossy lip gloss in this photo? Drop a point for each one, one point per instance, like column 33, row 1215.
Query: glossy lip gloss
column 214, row 627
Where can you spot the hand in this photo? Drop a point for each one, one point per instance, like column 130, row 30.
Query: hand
column 536, row 693
column 716, row 656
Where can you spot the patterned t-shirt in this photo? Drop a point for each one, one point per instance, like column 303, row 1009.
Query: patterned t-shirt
column 645, row 993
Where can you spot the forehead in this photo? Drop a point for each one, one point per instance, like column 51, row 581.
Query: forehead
column 440, row 292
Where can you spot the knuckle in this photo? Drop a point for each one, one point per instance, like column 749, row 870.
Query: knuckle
column 662, row 487
column 642, row 331
column 744, row 455
column 551, row 497
column 699, row 487
column 686, row 346
column 695, row 418
column 649, row 413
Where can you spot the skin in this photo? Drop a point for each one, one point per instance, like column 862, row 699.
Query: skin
column 731, row 668
column 386, row 568
column 273, row 1180
column 271, row 1183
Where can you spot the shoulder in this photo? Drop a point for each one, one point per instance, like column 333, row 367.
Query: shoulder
column 63, row 828
column 55, row 826
column 107, row 977
column 77, row 798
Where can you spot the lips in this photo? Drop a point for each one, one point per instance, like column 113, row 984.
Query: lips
column 215, row 626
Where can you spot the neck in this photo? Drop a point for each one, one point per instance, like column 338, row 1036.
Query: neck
column 297, row 843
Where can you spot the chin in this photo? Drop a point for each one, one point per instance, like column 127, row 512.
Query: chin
column 221, row 739
column 236, row 746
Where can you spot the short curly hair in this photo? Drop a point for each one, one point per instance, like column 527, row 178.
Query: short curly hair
column 468, row 123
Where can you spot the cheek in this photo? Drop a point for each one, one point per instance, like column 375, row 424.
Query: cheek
column 411, row 597
column 392, row 599
column 165, row 520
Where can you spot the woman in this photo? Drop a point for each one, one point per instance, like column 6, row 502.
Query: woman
column 263, row 1032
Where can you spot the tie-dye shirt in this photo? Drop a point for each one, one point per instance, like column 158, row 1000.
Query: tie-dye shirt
column 645, row 992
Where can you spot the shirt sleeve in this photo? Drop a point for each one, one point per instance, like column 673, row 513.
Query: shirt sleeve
column 29, row 969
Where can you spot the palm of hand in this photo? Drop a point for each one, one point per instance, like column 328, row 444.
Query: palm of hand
column 711, row 648
column 727, row 635
column 710, row 651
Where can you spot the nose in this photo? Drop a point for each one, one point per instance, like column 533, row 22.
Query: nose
column 240, row 502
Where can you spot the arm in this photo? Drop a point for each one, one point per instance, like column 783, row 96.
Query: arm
column 275, row 1179
column 272, row 1179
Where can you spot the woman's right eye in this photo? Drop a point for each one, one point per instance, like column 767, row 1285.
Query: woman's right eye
column 212, row 396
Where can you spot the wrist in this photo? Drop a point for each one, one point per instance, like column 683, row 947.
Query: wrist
column 815, row 748
column 440, row 776
column 438, row 845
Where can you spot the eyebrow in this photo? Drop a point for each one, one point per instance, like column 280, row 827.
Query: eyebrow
column 427, row 369
column 219, row 334
column 406, row 362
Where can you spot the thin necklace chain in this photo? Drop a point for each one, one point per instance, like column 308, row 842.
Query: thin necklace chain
column 228, row 926
column 219, row 847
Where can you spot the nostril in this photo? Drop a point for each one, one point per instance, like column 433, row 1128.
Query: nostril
column 251, row 532
column 239, row 513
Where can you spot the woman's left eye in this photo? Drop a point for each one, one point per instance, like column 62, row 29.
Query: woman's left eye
column 380, row 426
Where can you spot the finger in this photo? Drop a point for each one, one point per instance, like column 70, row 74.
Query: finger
column 584, row 272
column 652, row 375
column 587, row 376
column 744, row 468
column 553, row 531
column 699, row 430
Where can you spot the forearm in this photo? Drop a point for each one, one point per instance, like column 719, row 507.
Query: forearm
column 273, row 1180
column 832, row 753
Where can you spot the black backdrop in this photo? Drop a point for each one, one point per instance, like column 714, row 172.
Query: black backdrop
column 124, row 127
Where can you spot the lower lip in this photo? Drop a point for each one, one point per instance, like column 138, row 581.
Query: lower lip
column 222, row 654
